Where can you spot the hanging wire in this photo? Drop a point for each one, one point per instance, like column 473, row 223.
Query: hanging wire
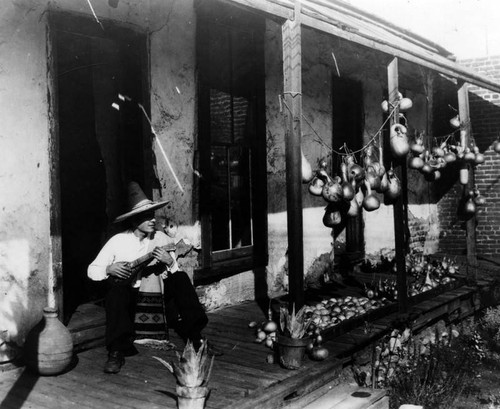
column 370, row 142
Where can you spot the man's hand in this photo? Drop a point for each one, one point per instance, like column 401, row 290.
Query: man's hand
column 163, row 256
column 119, row 270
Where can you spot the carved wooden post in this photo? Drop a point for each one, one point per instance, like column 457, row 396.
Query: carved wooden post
column 292, row 73
column 399, row 205
column 465, row 129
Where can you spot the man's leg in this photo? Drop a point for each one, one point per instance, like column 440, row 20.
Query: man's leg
column 119, row 305
column 184, row 311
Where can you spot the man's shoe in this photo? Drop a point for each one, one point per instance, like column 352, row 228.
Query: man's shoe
column 114, row 363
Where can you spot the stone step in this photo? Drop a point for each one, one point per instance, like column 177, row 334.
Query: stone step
column 87, row 327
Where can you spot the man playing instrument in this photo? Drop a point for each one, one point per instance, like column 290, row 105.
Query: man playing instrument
column 115, row 264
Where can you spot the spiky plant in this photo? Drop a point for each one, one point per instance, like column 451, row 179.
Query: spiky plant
column 294, row 325
column 193, row 368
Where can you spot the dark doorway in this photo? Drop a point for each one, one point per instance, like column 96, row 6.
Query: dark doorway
column 348, row 126
column 100, row 147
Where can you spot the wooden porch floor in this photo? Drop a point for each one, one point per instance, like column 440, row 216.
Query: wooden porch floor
column 241, row 378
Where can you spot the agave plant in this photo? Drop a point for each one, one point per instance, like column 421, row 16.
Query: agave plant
column 294, row 325
column 193, row 368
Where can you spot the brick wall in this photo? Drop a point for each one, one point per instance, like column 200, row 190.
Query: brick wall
column 485, row 120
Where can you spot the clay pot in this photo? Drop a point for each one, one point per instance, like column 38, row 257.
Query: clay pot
column 191, row 397
column 48, row 349
column 292, row 351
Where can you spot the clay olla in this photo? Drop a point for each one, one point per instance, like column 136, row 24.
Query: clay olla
column 48, row 349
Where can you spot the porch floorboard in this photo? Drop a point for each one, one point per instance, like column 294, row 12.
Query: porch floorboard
column 241, row 378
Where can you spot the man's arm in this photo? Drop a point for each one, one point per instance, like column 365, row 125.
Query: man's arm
column 97, row 270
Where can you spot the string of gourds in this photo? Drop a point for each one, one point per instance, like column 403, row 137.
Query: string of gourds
column 355, row 186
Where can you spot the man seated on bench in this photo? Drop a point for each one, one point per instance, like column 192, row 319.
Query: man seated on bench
column 140, row 251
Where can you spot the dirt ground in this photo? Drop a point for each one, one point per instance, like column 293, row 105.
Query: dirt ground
column 485, row 393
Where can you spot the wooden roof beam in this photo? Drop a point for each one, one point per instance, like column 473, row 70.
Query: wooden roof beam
column 311, row 19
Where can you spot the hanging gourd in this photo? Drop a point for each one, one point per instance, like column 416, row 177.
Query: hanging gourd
column 449, row 156
column 354, row 208
column 405, row 104
column 464, row 175
column 399, row 141
column 478, row 199
column 496, row 146
column 332, row 191
column 416, row 163
column 478, row 156
column 417, row 147
column 470, row 207
column 316, row 186
column 332, row 216
column 394, row 190
column 469, row 155
column 371, row 201
column 348, row 191
column 438, row 151
column 307, row 172
column 354, row 171
column 372, row 177
column 455, row 122
column 384, row 183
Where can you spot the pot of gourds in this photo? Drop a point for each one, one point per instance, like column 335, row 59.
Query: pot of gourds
column 293, row 338
column 192, row 372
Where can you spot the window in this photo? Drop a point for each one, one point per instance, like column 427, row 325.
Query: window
column 231, row 144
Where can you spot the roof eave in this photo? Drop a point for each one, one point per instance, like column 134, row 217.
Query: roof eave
column 425, row 58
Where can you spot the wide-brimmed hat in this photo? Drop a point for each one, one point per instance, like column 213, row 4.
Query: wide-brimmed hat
column 138, row 202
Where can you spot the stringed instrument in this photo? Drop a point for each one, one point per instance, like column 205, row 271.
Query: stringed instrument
column 181, row 249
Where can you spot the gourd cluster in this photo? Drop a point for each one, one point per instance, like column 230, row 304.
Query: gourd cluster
column 355, row 188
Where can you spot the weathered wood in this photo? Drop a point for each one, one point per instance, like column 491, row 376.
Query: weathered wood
column 55, row 272
column 400, row 204
column 321, row 372
column 241, row 378
column 326, row 24
column 292, row 76
column 465, row 130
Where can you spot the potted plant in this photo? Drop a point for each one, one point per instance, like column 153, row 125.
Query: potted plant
column 292, row 340
column 192, row 372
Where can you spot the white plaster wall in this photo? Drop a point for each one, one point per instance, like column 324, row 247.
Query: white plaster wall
column 24, row 138
column 24, row 167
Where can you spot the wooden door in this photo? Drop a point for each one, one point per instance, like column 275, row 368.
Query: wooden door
column 100, row 147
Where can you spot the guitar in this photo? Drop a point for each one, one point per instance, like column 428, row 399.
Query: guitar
column 181, row 250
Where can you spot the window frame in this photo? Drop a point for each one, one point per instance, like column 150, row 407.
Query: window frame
column 222, row 263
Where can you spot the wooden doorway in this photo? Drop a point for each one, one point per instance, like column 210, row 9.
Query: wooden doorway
column 348, row 125
column 100, row 148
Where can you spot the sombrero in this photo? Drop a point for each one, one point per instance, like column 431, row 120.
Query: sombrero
column 138, row 202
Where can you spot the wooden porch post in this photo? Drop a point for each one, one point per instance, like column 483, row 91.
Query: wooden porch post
column 292, row 74
column 465, row 129
column 400, row 204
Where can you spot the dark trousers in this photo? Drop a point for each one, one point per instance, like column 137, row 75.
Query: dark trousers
column 184, row 313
